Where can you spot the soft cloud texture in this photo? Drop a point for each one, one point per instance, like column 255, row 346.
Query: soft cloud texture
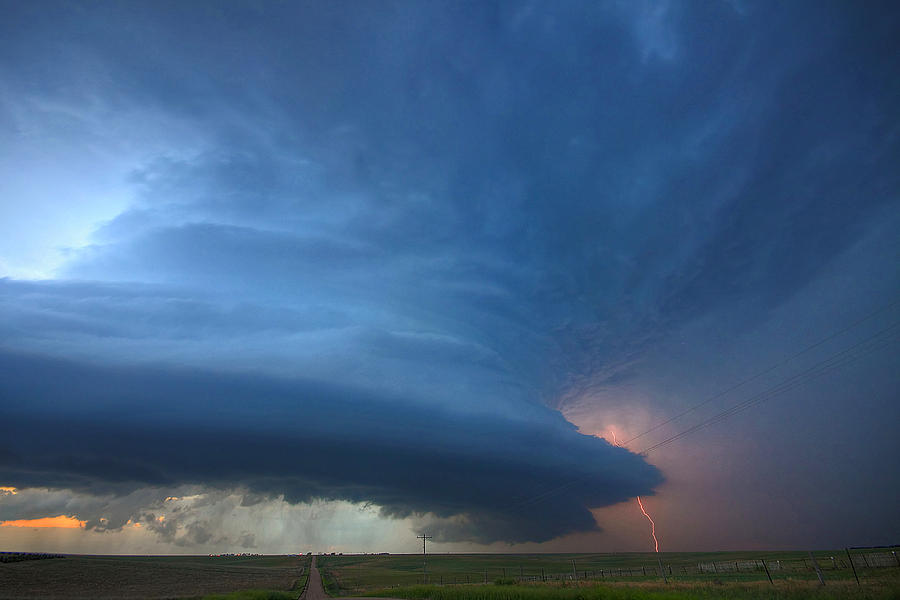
column 134, row 427
column 374, row 253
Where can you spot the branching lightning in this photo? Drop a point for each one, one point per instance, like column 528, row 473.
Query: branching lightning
column 641, row 505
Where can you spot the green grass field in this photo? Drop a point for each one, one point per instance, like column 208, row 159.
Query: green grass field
column 706, row 574
column 625, row 576
column 783, row 590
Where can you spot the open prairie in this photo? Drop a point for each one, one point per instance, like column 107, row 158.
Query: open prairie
column 281, row 278
column 620, row 576
column 561, row 576
column 148, row 577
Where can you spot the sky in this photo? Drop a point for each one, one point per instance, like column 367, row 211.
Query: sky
column 304, row 276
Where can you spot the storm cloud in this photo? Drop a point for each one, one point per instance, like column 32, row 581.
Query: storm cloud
column 122, row 429
column 379, row 253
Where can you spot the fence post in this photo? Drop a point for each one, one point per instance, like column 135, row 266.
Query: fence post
column 661, row 570
column 766, row 567
column 816, row 567
column 485, row 575
column 574, row 572
column 543, row 578
column 852, row 566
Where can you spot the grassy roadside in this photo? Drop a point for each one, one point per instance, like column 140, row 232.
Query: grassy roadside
column 330, row 583
column 303, row 580
column 788, row 590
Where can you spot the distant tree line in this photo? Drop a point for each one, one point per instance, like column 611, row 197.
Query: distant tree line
column 8, row 557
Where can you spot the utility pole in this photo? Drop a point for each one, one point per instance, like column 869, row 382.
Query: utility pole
column 424, row 537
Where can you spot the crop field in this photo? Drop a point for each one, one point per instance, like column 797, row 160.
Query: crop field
column 149, row 577
column 459, row 576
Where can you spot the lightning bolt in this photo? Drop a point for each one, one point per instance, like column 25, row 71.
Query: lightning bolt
column 652, row 524
column 641, row 504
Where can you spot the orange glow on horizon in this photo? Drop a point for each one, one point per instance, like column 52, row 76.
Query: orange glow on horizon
column 8, row 490
column 61, row 522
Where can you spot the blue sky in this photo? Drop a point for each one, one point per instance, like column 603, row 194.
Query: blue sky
column 404, row 264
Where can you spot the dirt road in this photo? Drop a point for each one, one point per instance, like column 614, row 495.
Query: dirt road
column 315, row 591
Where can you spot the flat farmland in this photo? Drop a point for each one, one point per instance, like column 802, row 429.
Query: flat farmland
column 392, row 574
column 147, row 577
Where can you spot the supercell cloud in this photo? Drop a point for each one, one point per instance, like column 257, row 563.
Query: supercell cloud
column 124, row 428
column 376, row 252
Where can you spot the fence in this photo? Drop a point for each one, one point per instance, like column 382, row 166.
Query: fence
column 844, row 564
column 779, row 566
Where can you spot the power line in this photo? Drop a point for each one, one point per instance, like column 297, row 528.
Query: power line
column 835, row 361
column 830, row 364
column 827, row 365
column 768, row 370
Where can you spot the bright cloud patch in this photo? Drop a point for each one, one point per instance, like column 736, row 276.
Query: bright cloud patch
column 60, row 521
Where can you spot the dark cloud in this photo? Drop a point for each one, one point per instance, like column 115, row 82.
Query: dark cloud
column 593, row 206
column 112, row 430
column 416, row 226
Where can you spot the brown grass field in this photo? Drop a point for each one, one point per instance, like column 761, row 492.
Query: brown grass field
column 146, row 577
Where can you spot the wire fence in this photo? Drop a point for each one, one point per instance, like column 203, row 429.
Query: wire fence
column 846, row 564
